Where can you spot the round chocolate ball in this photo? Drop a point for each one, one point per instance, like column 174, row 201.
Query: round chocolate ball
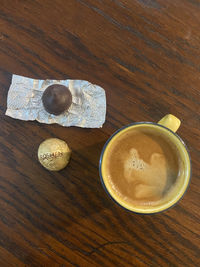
column 54, row 154
column 56, row 99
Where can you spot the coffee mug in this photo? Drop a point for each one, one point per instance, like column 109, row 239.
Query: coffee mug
column 145, row 167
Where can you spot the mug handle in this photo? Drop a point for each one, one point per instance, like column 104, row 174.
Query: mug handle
column 171, row 122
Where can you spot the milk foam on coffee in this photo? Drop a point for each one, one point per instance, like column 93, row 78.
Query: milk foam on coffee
column 141, row 167
column 136, row 170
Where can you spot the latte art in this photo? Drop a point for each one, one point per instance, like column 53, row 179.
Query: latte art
column 141, row 167
column 139, row 172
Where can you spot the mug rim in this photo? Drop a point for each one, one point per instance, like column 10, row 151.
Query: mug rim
column 127, row 126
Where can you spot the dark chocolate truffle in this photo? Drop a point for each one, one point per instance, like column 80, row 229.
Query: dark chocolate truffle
column 56, row 99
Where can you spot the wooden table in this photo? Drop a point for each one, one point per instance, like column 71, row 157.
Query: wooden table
column 146, row 54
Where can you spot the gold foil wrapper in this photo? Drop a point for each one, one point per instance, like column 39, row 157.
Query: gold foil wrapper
column 54, row 154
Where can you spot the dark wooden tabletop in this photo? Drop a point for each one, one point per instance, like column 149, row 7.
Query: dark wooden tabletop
column 146, row 54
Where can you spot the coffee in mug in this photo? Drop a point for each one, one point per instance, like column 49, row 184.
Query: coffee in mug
column 145, row 166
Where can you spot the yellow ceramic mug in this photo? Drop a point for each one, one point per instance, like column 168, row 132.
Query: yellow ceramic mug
column 167, row 127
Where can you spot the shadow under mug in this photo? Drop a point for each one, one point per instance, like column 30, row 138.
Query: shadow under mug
column 167, row 126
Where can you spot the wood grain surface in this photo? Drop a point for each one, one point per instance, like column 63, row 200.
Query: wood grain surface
column 146, row 54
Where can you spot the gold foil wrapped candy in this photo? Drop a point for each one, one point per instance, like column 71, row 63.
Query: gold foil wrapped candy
column 54, row 154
